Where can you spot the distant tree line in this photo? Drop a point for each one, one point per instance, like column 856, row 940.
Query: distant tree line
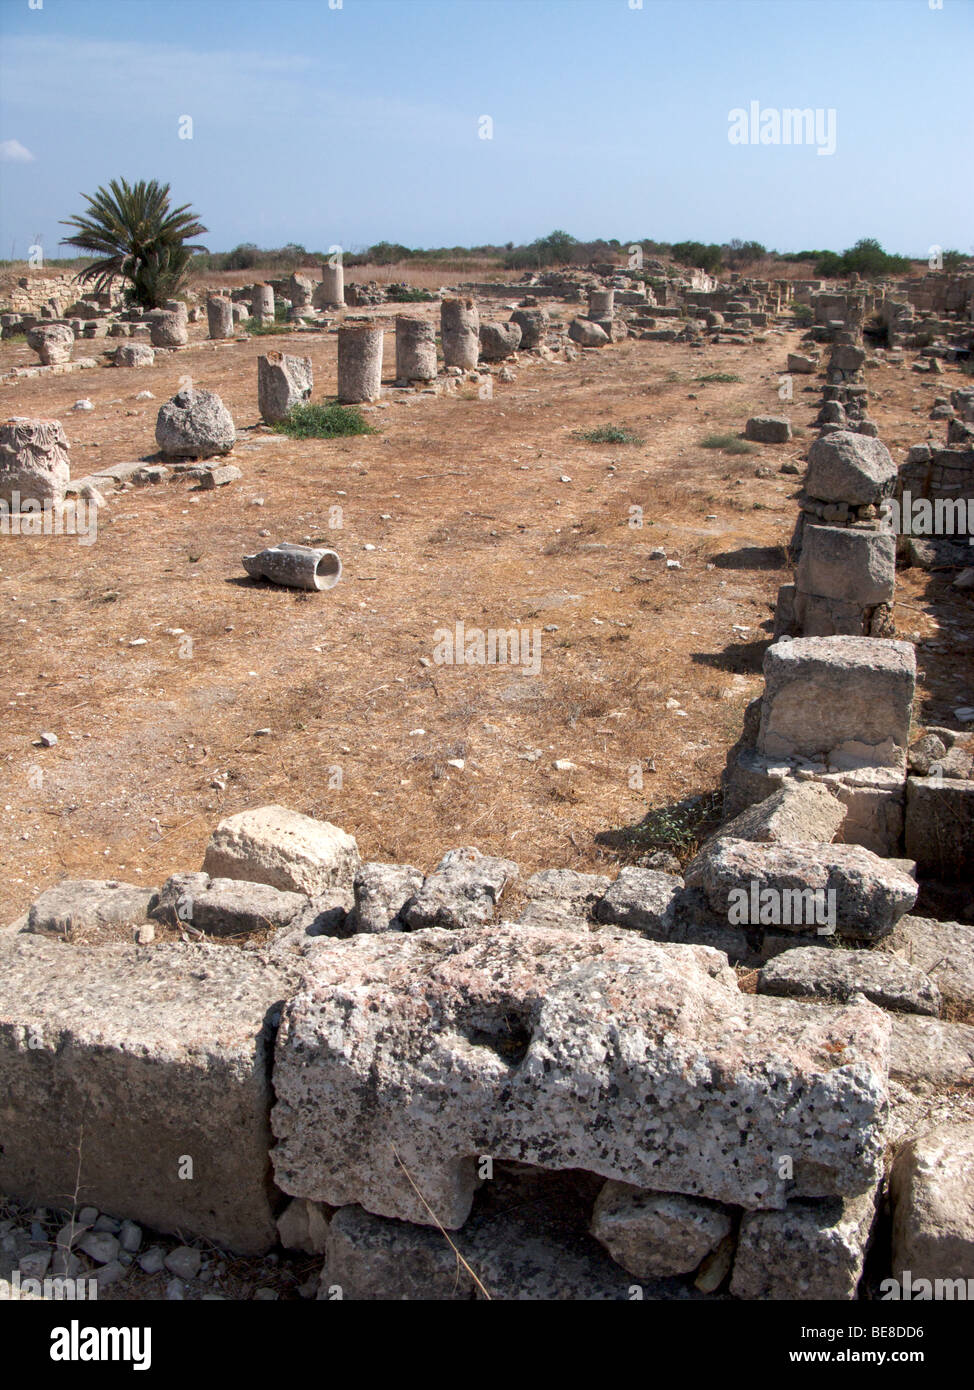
column 560, row 249
column 136, row 236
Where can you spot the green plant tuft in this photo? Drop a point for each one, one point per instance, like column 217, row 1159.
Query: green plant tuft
column 728, row 443
column 609, row 434
column 323, row 422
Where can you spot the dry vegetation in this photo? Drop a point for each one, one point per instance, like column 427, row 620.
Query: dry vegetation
column 321, row 702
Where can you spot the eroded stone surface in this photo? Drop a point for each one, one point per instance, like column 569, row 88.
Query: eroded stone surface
column 562, row 897
column 33, row 461
column 643, row 900
column 232, row 907
column 842, row 701
column 381, row 893
column 870, row 894
column 126, row 1060
column 462, row 892
column 89, row 904
column 811, row 1250
column 799, row 813
column 816, row 972
column 932, row 1195
column 927, row 1055
column 283, row 848
column 194, row 424
column 654, row 1234
column 629, row 1058
column 944, row 950
column 848, row 467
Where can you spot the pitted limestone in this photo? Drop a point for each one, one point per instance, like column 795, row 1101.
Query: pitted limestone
column 636, row 1060
column 283, row 848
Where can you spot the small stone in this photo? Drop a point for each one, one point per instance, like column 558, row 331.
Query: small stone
column 716, row 1267
column 221, row 476
column 47, row 740
column 34, row 1265
column 153, row 1261
column 110, row 1274
column 184, row 1262
column 70, row 1234
column 174, row 1291
column 100, row 1246
column 130, row 1237
column 657, row 1233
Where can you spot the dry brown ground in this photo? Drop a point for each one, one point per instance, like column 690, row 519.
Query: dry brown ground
column 465, row 505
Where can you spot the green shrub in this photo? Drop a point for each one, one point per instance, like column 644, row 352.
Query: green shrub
column 728, row 443
column 721, row 378
column 609, row 434
column 323, row 422
column 408, row 294
column 257, row 328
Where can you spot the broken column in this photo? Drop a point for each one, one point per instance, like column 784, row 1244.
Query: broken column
column 359, row 363
column 498, row 340
column 330, row 292
column 194, row 424
column 415, row 349
column 33, row 462
column 283, row 381
column 835, row 710
column 601, row 304
column 844, row 584
column 262, row 303
column 845, row 550
column 167, row 328
column 300, row 291
column 533, row 323
column 219, row 316
column 52, row 342
column 460, row 333
column 845, row 394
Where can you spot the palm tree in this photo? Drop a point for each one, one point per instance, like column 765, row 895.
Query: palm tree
column 131, row 228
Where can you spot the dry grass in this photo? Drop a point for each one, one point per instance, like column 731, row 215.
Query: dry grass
column 423, row 275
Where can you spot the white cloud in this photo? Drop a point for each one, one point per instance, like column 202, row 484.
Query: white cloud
column 13, row 152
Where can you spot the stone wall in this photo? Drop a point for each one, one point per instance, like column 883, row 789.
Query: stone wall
column 392, row 1056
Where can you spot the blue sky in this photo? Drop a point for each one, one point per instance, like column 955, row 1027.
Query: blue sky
column 345, row 126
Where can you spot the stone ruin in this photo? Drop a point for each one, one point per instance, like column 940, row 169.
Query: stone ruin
column 400, row 1053
column 844, row 549
column 33, row 462
column 399, row 1048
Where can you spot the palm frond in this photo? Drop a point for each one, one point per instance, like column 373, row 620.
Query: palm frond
column 137, row 237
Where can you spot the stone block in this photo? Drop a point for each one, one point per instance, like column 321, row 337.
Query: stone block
column 594, row 1051
column 283, row 848
column 142, row 1077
